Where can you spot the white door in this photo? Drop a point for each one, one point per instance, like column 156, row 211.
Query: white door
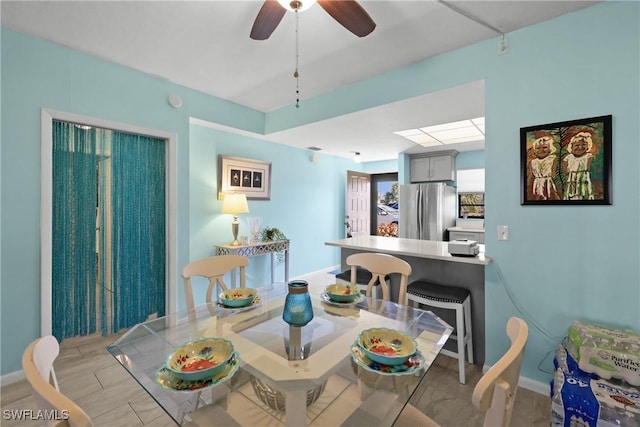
column 358, row 203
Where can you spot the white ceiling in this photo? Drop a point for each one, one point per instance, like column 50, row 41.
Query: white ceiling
column 205, row 45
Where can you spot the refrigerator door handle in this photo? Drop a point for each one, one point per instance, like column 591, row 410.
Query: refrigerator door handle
column 420, row 212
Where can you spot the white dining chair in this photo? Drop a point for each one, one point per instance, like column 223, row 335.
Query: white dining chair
column 362, row 279
column 213, row 268
column 380, row 266
column 37, row 366
column 495, row 392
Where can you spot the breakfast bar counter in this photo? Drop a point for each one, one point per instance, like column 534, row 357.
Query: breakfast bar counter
column 411, row 247
column 430, row 260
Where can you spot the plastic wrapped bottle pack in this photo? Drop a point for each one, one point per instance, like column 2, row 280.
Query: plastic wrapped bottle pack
column 609, row 353
column 583, row 399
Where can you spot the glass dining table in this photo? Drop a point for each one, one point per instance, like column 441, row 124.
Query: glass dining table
column 282, row 374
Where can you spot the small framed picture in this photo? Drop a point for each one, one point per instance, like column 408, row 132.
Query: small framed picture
column 247, row 176
column 566, row 163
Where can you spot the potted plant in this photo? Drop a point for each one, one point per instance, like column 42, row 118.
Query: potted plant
column 272, row 234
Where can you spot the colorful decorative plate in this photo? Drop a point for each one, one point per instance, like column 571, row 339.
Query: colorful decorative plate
column 199, row 359
column 325, row 298
column 342, row 293
column 257, row 300
column 387, row 346
column 237, row 297
column 168, row 381
column 411, row 366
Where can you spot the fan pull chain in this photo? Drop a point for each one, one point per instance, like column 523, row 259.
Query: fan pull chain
column 296, row 75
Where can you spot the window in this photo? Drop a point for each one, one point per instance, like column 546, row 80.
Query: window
column 471, row 205
column 470, row 193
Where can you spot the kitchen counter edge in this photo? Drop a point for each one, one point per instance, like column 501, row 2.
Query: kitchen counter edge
column 410, row 247
column 470, row 230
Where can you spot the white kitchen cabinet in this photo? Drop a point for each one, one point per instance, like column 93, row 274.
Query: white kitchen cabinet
column 476, row 236
column 426, row 167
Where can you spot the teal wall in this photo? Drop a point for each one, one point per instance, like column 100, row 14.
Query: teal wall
column 560, row 264
column 564, row 263
column 470, row 159
column 307, row 201
column 37, row 74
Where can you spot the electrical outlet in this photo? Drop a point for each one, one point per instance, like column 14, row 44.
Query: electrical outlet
column 503, row 45
column 503, row 232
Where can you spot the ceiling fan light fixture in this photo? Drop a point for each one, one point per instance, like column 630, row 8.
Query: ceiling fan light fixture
column 296, row 5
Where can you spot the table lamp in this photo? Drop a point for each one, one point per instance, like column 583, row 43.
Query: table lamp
column 234, row 204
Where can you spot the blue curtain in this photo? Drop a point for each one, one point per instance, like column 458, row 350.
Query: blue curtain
column 138, row 238
column 108, row 229
column 74, row 231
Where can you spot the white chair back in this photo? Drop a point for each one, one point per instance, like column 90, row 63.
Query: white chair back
column 214, row 268
column 37, row 365
column 380, row 265
column 495, row 393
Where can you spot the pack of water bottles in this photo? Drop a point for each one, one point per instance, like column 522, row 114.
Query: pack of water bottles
column 580, row 396
column 607, row 352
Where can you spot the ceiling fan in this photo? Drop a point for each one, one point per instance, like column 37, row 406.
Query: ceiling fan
column 347, row 12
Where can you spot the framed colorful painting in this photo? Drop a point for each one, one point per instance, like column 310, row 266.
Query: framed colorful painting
column 566, row 163
column 247, row 176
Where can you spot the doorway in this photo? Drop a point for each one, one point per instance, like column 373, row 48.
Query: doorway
column 129, row 302
column 384, row 191
column 357, row 216
column 108, row 229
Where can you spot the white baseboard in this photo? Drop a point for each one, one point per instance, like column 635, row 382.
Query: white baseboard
column 12, row 377
column 535, row 386
column 323, row 270
column 528, row 383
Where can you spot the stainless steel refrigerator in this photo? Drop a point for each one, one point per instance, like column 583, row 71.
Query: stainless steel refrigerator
column 426, row 210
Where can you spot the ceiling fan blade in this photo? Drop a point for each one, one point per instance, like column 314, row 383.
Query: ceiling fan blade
column 350, row 15
column 267, row 20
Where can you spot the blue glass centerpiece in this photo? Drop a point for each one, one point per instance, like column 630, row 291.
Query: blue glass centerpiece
column 297, row 307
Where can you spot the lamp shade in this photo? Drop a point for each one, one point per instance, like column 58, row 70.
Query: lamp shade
column 235, row 203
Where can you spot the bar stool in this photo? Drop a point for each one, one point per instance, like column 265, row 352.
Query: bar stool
column 450, row 298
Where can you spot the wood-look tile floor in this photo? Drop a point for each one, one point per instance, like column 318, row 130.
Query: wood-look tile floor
column 92, row 378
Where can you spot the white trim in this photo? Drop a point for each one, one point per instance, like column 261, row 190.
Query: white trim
column 528, row 383
column 326, row 270
column 212, row 125
column 46, row 213
column 46, row 204
column 535, row 386
column 11, row 377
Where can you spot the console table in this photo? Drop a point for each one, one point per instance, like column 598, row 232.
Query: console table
column 256, row 249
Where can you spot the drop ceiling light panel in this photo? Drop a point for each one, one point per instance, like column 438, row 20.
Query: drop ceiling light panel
column 424, row 140
column 450, row 134
column 446, row 133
